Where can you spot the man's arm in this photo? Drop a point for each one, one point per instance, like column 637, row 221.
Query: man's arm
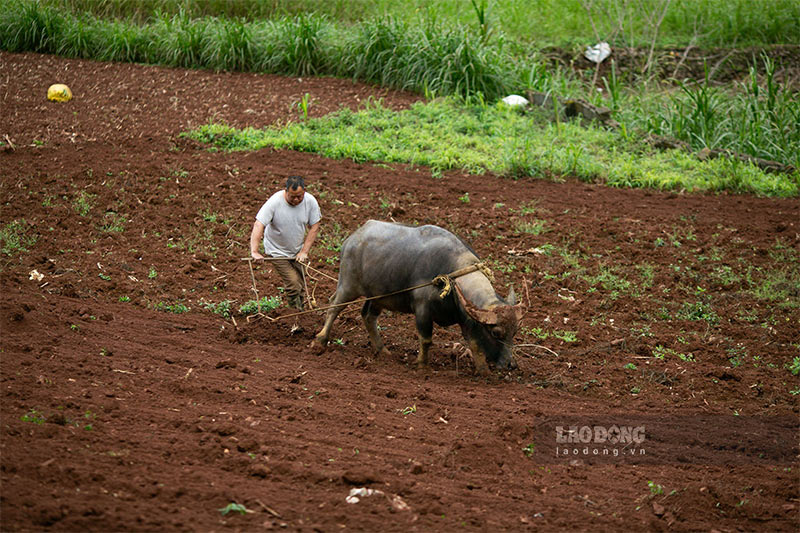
column 310, row 236
column 255, row 239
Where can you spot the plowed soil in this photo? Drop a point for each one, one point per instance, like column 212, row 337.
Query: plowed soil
column 121, row 413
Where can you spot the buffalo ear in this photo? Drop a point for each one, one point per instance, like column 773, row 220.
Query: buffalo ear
column 519, row 311
column 512, row 297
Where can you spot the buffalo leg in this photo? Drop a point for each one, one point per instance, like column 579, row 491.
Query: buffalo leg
column 369, row 313
column 425, row 332
column 321, row 340
column 481, row 368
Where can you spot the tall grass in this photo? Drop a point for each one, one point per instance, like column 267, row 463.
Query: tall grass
column 758, row 117
column 432, row 57
column 544, row 22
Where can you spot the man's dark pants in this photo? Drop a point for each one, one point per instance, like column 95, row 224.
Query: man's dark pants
column 291, row 273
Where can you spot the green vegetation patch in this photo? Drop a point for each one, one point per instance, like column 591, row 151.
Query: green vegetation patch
column 449, row 134
column 16, row 237
column 264, row 305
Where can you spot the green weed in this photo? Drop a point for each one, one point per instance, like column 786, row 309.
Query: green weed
column 33, row 416
column 655, row 488
column 83, row 203
column 177, row 308
column 529, row 449
column 794, row 366
column 536, row 227
column 264, row 305
column 699, row 310
column 222, row 308
column 233, row 508
column 16, row 237
column 661, row 353
column 737, row 354
column 114, row 223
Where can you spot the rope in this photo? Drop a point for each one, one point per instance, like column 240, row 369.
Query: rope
column 444, row 280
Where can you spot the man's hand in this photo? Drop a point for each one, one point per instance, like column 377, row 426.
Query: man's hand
column 256, row 255
column 301, row 257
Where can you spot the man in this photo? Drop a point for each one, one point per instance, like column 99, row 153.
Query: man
column 285, row 217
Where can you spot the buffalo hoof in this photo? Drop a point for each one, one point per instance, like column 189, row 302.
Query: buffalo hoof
column 482, row 371
column 318, row 346
column 383, row 353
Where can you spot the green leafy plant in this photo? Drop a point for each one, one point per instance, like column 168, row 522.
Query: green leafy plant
column 794, row 366
column 264, row 305
column 529, row 449
column 409, row 410
column 33, row 416
column 699, row 310
column 566, row 336
column 737, row 354
column 222, row 308
column 303, row 104
column 177, row 308
column 655, row 488
column 233, row 508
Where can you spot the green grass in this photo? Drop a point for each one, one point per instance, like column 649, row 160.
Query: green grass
column 16, row 237
column 450, row 134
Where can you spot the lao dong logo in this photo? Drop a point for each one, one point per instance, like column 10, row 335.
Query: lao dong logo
column 600, row 435
column 600, row 440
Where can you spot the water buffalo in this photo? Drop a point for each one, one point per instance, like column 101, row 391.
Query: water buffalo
column 381, row 258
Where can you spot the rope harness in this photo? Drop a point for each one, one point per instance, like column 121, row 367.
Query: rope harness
column 445, row 281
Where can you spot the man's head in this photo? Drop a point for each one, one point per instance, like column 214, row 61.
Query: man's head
column 295, row 190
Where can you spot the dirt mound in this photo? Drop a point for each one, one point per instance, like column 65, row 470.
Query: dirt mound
column 128, row 404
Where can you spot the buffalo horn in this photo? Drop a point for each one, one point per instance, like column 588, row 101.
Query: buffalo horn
column 484, row 316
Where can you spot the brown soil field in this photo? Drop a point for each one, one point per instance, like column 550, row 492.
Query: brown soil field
column 676, row 313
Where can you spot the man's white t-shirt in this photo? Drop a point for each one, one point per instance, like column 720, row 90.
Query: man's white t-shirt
column 285, row 224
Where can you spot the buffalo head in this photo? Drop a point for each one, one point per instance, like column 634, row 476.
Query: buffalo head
column 491, row 331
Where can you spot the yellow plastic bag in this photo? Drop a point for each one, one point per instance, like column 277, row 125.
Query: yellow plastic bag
column 59, row 92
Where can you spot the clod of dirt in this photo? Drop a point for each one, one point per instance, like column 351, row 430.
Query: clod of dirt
column 360, row 477
column 258, row 470
column 227, row 363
